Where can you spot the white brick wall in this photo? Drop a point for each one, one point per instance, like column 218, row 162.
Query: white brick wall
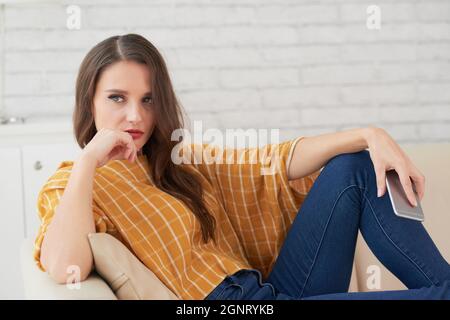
column 303, row 66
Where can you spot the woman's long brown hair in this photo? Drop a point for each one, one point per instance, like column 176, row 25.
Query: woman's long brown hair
column 167, row 176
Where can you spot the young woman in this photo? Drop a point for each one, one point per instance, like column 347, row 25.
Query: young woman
column 216, row 230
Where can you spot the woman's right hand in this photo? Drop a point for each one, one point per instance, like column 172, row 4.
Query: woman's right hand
column 109, row 144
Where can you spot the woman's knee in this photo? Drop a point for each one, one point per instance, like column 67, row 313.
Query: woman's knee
column 352, row 161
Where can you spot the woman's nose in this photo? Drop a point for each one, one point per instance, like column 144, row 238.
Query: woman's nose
column 134, row 113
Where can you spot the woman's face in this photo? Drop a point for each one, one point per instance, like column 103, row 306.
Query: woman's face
column 123, row 100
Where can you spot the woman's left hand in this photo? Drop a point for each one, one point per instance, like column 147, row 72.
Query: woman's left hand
column 386, row 155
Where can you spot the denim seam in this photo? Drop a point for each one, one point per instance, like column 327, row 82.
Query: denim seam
column 392, row 242
column 321, row 239
column 259, row 276
column 219, row 296
column 224, row 285
column 216, row 295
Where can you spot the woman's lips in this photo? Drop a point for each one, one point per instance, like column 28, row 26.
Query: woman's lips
column 135, row 134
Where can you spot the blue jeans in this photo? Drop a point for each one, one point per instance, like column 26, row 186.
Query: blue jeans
column 315, row 261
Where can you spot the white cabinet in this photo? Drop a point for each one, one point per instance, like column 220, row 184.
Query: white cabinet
column 39, row 163
column 29, row 155
column 12, row 222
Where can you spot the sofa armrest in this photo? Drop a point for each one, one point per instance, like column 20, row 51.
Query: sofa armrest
column 39, row 285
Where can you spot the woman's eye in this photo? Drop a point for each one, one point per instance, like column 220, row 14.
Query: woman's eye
column 148, row 100
column 116, row 98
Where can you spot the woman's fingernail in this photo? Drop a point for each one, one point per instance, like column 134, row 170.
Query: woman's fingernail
column 379, row 193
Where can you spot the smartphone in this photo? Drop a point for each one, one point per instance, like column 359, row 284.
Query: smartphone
column 400, row 203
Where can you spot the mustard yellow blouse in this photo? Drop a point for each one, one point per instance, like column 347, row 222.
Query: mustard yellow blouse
column 253, row 210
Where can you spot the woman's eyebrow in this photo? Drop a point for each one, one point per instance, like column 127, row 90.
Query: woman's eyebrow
column 124, row 91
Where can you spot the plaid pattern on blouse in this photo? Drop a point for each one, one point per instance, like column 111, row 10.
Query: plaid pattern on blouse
column 253, row 213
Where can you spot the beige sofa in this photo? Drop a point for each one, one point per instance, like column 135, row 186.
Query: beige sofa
column 431, row 159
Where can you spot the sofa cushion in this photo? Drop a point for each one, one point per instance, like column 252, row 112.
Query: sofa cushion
column 127, row 276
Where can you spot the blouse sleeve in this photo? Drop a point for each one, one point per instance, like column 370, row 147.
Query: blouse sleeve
column 48, row 199
column 259, row 199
